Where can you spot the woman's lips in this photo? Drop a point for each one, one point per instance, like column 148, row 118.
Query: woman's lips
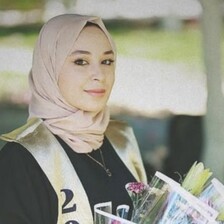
column 96, row 92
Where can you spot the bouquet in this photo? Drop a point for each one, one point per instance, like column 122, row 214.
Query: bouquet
column 198, row 199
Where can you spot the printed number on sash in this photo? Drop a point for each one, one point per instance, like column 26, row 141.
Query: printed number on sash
column 67, row 206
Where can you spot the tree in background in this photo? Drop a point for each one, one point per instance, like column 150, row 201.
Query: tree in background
column 214, row 119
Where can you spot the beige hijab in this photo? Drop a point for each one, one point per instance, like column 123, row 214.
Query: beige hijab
column 83, row 131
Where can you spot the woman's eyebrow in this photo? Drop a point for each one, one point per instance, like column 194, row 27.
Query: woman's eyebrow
column 87, row 52
column 80, row 52
column 109, row 52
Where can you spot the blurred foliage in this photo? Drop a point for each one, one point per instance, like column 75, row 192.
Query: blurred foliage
column 162, row 45
column 25, row 29
column 19, row 36
column 13, row 87
column 21, row 4
column 148, row 39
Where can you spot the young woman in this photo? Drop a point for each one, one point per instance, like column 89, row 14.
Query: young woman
column 69, row 156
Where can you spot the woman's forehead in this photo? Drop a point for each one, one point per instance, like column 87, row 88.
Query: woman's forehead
column 92, row 38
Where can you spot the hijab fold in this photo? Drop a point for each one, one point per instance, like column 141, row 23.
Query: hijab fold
column 83, row 131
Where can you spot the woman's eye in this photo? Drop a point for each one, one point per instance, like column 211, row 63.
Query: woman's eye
column 107, row 62
column 80, row 62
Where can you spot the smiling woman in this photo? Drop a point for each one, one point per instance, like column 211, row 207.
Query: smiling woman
column 88, row 72
column 69, row 155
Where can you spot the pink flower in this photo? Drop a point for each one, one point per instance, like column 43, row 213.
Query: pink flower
column 136, row 187
column 115, row 222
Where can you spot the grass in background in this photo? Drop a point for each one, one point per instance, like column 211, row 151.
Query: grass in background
column 170, row 46
column 145, row 42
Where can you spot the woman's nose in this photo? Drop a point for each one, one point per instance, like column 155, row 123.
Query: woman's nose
column 97, row 73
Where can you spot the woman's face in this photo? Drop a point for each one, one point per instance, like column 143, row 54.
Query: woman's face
column 87, row 76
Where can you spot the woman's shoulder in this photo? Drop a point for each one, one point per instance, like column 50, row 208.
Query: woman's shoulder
column 12, row 150
column 18, row 167
column 14, row 156
column 24, row 185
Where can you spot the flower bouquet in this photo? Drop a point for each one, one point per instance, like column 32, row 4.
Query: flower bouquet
column 164, row 201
